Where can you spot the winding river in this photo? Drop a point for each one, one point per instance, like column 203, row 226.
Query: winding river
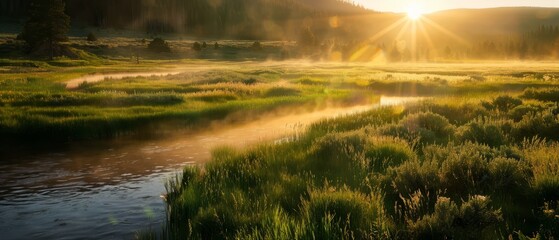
column 111, row 189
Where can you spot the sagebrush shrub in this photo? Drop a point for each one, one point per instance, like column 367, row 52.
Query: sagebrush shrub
column 438, row 225
column 455, row 113
column 509, row 177
column 385, row 152
column 483, row 131
column 505, row 103
column 348, row 214
column 464, row 172
column 545, row 94
column 448, row 221
column 426, row 126
column 542, row 124
column 517, row 113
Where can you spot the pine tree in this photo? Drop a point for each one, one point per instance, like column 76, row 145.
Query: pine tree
column 47, row 25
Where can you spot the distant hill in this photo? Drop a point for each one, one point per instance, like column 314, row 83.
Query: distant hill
column 496, row 21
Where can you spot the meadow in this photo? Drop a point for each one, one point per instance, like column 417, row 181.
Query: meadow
column 476, row 160
column 37, row 106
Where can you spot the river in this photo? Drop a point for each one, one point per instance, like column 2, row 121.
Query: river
column 111, row 189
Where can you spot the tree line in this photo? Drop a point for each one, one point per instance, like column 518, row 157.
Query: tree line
column 539, row 43
column 232, row 18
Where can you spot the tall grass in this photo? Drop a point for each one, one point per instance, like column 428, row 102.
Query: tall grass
column 358, row 178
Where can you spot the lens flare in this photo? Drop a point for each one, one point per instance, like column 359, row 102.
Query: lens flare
column 414, row 12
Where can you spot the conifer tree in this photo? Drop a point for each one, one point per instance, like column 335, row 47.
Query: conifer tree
column 47, row 25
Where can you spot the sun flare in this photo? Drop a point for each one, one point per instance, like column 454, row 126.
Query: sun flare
column 414, row 12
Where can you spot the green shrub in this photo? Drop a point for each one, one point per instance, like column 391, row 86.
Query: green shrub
column 159, row 45
column 428, row 127
column 542, row 124
column 411, row 189
column 464, row 172
column 483, row 131
column 455, row 113
column 547, row 188
column 545, row 94
column 340, row 214
column 469, row 221
column 385, row 152
column 256, row 45
column 91, row 37
column 476, row 215
column 509, row 177
column 503, row 103
column 518, row 113
column 339, row 156
column 196, row 46
column 438, row 225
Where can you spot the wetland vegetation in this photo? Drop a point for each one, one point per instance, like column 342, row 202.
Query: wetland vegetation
column 452, row 167
column 120, row 94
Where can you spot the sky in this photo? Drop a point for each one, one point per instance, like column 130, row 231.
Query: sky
column 428, row 6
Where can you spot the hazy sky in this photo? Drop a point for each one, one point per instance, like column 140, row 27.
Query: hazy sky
column 436, row 5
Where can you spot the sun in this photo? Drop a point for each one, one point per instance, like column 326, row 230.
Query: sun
column 414, row 12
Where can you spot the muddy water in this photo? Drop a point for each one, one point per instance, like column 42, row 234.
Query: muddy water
column 111, row 189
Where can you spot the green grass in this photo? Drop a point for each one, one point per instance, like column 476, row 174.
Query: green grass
column 35, row 102
column 390, row 173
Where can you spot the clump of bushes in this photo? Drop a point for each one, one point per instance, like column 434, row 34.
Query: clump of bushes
column 426, row 127
column 545, row 94
column 503, row 103
column 448, row 221
column 256, row 45
column 517, row 113
column 484, row 131
column 338, row 153
column 455, row 113
column 196, row 46
column 91, row 37
column 385, row 152
column 541, row 124
column 340, row 214
column 159, row 45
